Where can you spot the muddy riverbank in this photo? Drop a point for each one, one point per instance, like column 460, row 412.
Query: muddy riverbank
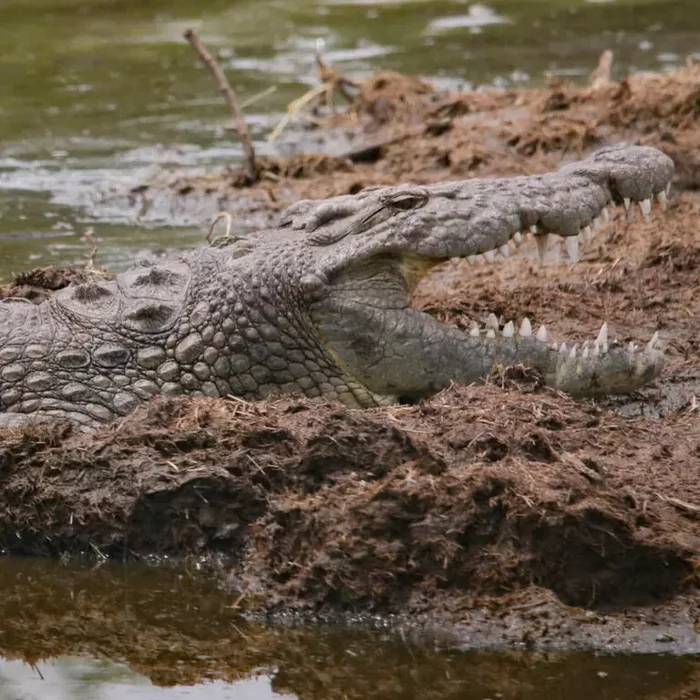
column 400, row 129
column 506, row 512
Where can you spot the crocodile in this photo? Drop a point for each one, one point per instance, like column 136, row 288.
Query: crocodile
column 320, row 305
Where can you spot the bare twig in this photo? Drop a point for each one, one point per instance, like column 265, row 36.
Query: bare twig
column 331, row 80
column 249, row 168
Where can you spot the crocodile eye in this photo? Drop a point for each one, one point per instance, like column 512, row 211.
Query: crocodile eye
column 405, row 201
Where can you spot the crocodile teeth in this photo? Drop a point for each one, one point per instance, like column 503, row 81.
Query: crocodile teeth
column 504, row 250
column 605, row 214
column 472, row 259
column 517, row 238
column 489, row 256
column 533, row 229
column 490, row 333
column 542, row 245
column 508, row 330
column 525, row 328
column 492, row 322
column 602, row 335
column 596, row 350
column 474, row 332
column 668, row 189
column 632, row 348
column 542, row 334
column 572, row 354
column 563, row 349
column 572, row 248
column 585, row 352
column 663, row 200
column 654, row 342
column 645, row 206
column 588, row 232
column 627, row 202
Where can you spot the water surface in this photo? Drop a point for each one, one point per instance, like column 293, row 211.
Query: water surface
column 135, row 631
column 98, row 96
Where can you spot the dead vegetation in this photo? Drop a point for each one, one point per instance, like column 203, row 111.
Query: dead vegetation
column 481, row 498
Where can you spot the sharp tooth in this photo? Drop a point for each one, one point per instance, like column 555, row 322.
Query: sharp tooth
column 508, row 330
column 605, row 348
column 627, row 202
column 602, row 335
column 572, row 248
column 542, row 244
column 474, row 332
column 472, row 259
column 605, row 214
column 563, row 349
column 668, row 189
column 585, row 353
column 663, row 200
column 588, row 233
column 542, row 334
column 481, row 259
column 596, row 350
column 631, row 348
column 517, row 238
column 504, row 250
column 645, row 206
column 596, row 224
column 490, row 333
column 533, row 229
column 525, row 328
column 489, row 256
column 654, row 341
column 572, row 354
column 492, row 322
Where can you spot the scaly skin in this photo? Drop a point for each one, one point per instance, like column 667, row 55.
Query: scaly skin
column 320, row 305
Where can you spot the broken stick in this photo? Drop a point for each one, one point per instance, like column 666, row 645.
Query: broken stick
column 249, row 168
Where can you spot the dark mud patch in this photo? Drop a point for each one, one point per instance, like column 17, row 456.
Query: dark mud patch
column 468, row 502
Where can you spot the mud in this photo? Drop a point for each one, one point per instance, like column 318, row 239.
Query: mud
column 506, row 512
column 466, row 509
column 402, row 129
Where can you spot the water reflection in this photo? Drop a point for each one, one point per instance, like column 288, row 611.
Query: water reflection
column 73, row 678
column 130, row 631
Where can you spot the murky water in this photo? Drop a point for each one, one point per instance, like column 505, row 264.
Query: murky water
column 96, row 96
column 142, row 632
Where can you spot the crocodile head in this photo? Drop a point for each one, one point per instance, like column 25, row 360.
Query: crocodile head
column 371, row 249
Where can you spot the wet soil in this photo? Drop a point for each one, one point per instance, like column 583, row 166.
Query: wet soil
column 471, row 509
column 508, row 512
column 402, row 129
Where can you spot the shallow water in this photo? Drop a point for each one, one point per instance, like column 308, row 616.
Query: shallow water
column 97, row 96
column 136, row 631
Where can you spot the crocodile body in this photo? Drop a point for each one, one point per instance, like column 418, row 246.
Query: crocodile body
column 321, row 305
